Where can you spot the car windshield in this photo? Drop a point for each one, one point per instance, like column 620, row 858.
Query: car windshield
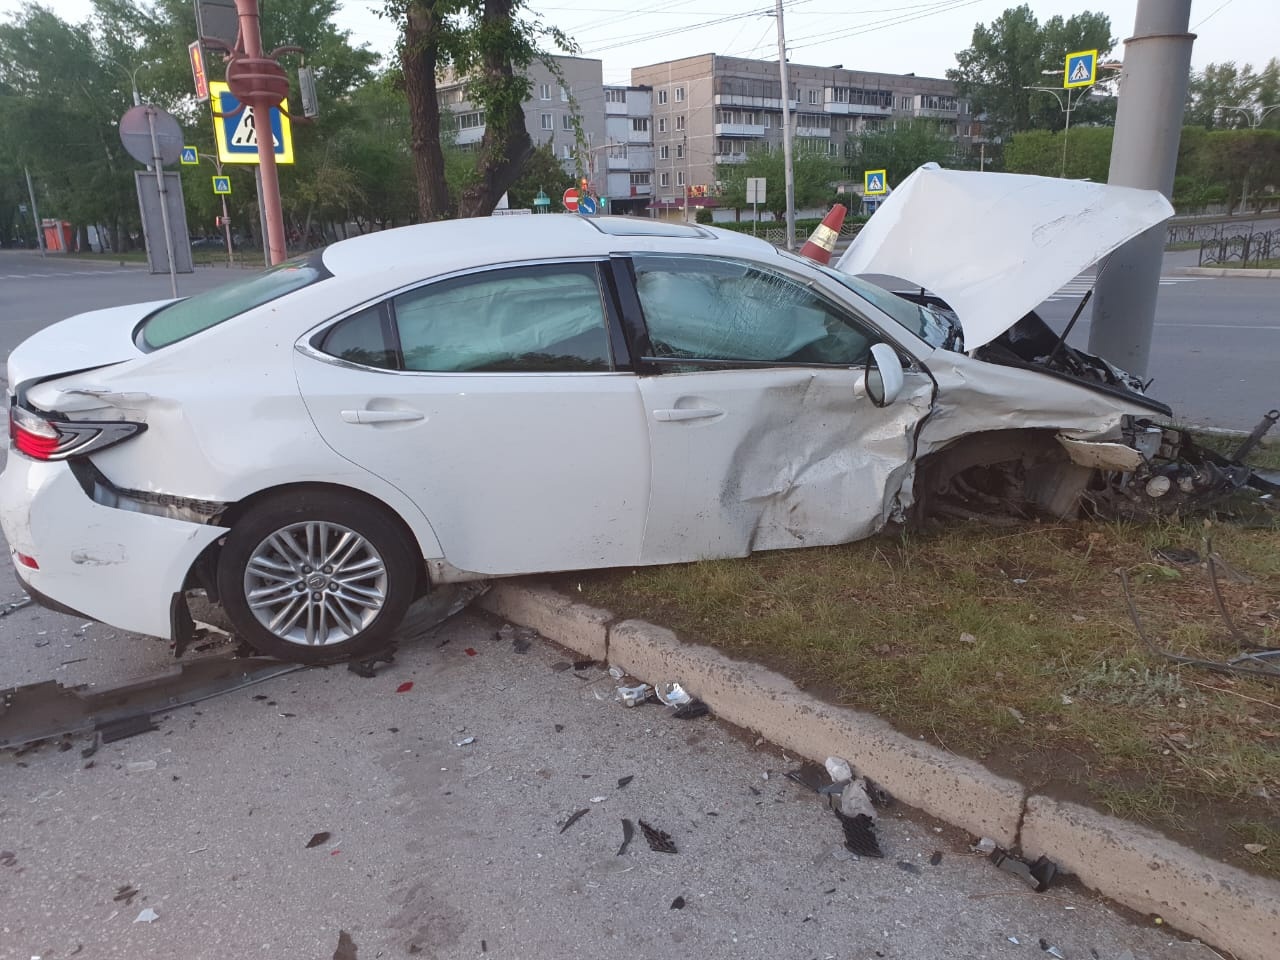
column 182, row 319
column 933, row 327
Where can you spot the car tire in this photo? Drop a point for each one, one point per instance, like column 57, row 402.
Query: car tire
column 316, row 577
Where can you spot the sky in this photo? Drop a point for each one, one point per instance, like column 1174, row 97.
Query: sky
column 892, row 36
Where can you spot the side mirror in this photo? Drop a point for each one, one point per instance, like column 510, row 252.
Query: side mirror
column 884, row 375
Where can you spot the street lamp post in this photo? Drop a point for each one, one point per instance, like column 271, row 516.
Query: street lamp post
column 133, row 77
column 1066, row 106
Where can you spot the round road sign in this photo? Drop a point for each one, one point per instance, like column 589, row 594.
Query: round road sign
column 135, row 134
column 570, row 200
column 586, row 205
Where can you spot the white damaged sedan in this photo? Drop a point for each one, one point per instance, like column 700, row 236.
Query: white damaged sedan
column 316, row 446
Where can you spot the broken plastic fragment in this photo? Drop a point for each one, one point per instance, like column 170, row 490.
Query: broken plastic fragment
column 659, row 840
column 464, row 742
column 838, row 770
column 1176, row 555
column 986, row 846
column 140, row 766
column 599, row 799
column 617, row 672
column 809, row 775
column 147, row 916
column 405, row 687
column 691, row 711
column 124, row 894
column 1039, row 875
column 318, row 838
column 677, row 903
column 469, row 652
column 583, row 664
column 672, row 694
column 574, row 818
column 1255, row 848
column 860, row 835
column 632, row 696
column 623, row 781
column 908, row 867
column 628, row 831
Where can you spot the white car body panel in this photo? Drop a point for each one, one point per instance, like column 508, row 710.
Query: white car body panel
column 518, row 472
column 77, row 343
column 763, row 459
column 112, row 565
column 1022, row 238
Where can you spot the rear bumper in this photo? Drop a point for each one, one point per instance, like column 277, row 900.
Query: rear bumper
column 106, row 564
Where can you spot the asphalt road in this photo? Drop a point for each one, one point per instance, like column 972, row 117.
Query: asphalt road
column 442, row 848
column 448, row 849
column 1216, row 344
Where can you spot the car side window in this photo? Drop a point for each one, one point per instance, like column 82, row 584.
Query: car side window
column 698, row 308
column 544, row 318
column 363, row 338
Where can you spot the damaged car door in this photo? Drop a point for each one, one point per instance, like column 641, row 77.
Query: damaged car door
column 761, row 431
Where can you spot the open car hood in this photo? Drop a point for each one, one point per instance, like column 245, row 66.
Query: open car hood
column 995, row 245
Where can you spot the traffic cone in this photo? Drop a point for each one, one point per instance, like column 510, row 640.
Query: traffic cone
column 823, row 239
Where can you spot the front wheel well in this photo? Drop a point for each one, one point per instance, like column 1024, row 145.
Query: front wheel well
column 203, row 571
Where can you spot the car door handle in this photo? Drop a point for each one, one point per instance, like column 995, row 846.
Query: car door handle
column 687, row 413
column 381, row 416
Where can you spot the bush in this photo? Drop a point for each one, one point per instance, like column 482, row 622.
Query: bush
column 703, row 215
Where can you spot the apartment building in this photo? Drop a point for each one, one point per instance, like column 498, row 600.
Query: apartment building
column 549, row 113
column 622, row 168
column 709, row 110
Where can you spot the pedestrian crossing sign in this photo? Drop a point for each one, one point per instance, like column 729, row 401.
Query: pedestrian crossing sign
column 875, row 183
column 1081, row 69
column 222, row 184
column 237, row 136
column 190, row 155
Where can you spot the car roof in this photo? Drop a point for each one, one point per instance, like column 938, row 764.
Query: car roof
column 431, row 249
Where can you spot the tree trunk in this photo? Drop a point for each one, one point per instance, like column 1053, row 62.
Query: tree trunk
column 418, row 56
column 506, row 146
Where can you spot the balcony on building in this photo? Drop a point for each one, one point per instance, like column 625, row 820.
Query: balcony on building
column 740, row 129
column 813, row 131
column 469, row 135
column 730, row 158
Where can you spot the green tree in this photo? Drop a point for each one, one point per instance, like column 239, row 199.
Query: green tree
column 491, row 43
column 814, row 171
column 543, row 172
column 899, row 149
column 1225, row 95
column 1040, row 152
column 1012, row 54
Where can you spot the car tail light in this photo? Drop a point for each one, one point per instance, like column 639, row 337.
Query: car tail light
column 42, row 438
column 26, row 560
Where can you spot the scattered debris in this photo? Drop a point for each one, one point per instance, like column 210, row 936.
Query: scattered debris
column 521, row 638
column 838, row 770
column 405, row 687
column 147, row 916
column 1255, row 848
column 15, row 605
column 599, row 799
column 1051, row 950
column 464, row 742
column 691, row 711
column 1038, row 875
column 628, row 831
column 617, row 672
column 659, row 840
column 1015, row 941
column 936, row 858
column 469, row 652
column 346, row 947
column 908, row 867
column 623, row 781
column 574, row 818
column 672, row 694
column 368, row 667
column 561, row 666
column 968, row 638
column 318, row 838
column 878, row 794
column 559, row 727
column 633, row 696
column 1016, row 714
column 809, row 775
column 126, row 894
column 583, row 664
column 860, row 835
column 141, row 766
column 986, row 846
column 677, row 903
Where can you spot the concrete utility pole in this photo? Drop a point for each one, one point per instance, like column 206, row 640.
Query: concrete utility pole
column 1144, row 153
column 35, row 212
column 789, row 174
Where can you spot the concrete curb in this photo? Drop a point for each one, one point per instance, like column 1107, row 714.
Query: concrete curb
column 1134, row 866
column 1228, row 272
